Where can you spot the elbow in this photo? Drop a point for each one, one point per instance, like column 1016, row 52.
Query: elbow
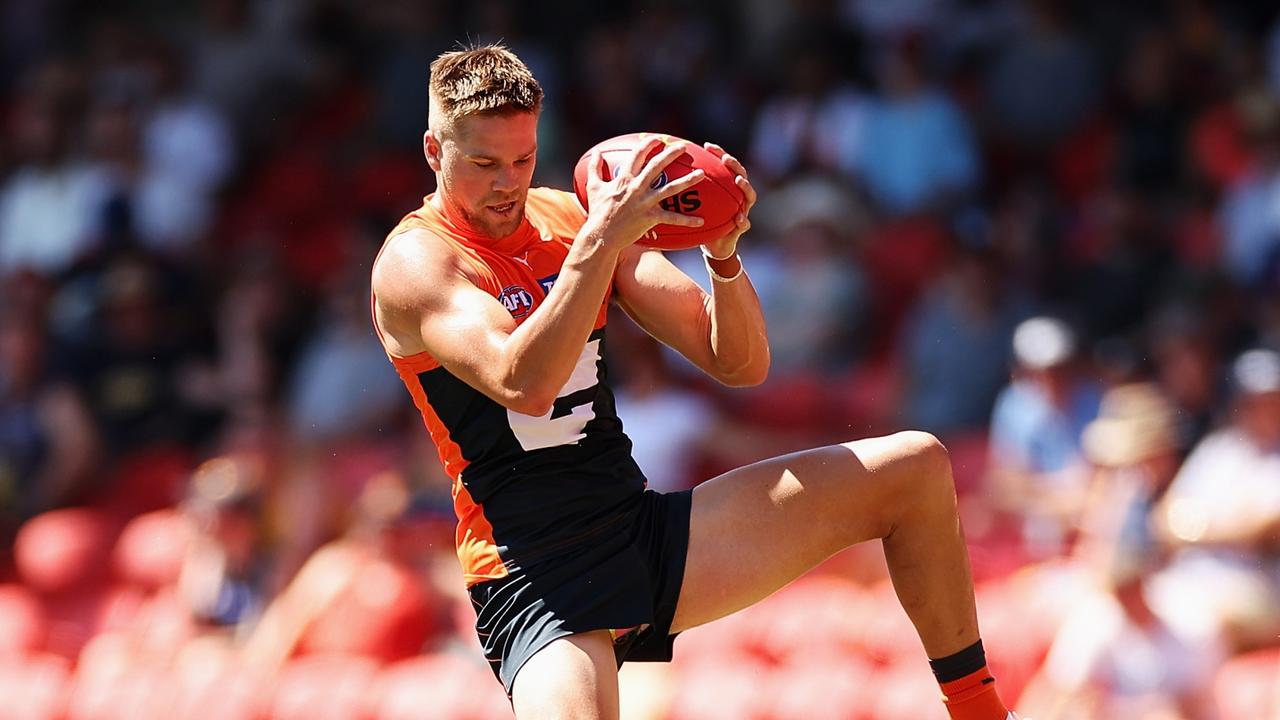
column 748, row 379
column 533, row 402
column 749, row 375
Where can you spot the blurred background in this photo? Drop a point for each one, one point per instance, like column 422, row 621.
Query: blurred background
column 1047, row 231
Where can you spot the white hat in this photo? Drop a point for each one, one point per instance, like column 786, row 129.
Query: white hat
column 1043, row 342
column 1256, row 372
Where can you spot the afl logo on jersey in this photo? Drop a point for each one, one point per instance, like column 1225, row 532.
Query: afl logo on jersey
column 517, row 300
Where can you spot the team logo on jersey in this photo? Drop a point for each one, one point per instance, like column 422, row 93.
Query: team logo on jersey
column 516, row 300
column 548, row 282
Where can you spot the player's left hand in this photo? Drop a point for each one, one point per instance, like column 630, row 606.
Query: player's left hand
column 725, row 246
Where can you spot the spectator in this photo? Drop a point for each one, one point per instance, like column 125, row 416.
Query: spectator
column 360, row 594
column 48, row 444
column 813, row 291
column 146, row 379
column 956, row 343
column 1133, row 446
column 811, row 288
column 187, row 151
column 816, row 123
column 239, row 56
column 1116, row 656
column 50, row 207
column 917, row 153
column 1044, row 82
column 341, row 386
column 223, row 575
column 1222, row 514
column 1186, row 358
column 1037, row 471
column 669, row 426
column 1251, row 224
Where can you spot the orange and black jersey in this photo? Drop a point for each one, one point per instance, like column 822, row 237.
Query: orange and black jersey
column 523, row 486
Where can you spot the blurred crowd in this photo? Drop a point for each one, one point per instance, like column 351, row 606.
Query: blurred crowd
column 1046, row 231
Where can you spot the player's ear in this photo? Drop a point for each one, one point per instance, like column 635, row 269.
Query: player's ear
column 431, row 149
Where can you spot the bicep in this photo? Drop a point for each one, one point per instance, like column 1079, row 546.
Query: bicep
column 465, row 330
column 426, row 303
column 664, row 301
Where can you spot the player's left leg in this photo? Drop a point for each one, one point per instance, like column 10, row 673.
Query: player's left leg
column 572, row 678
column 757, row 528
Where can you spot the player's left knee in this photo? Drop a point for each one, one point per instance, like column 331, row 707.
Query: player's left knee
column 925, row 451
column 929, row 463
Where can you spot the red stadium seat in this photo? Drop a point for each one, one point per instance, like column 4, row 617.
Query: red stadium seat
column 33, row 687
column 736, row 687
column 151, row 549
column 886, row 635
column 323, row 687
column 825, row 687
column 907, row 691
column 901, row 257
column 149, row 479
column 77, row 616
column 969, row 453
column 212, row 684
column 737, row 633
column 24, row 624
column 1017, row 632
column 385, row 614
column 113, row 682
column 445, row 687
column 867, row 398
column 164, row 624
column 63, row 549
column 1249, row 686
column 814, row 614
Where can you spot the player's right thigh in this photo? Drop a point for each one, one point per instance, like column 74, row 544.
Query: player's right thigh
column 572, row 678
column 757, row 528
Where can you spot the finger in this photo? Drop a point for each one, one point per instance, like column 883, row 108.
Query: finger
column 748, row 192
column 714, row 149
column 642, row 154
column 660, row 162
column 594, row 172
column 734, row 165
column 680, row 184
column 666, row 217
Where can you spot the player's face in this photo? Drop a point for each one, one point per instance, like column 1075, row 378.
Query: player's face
column 484, row 165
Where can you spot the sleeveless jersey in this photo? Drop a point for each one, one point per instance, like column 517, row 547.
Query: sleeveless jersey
column 523, row 487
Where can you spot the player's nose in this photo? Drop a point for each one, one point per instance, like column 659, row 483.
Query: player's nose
column 508, row 180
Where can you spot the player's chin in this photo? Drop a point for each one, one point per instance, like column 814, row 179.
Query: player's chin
column 502, row 220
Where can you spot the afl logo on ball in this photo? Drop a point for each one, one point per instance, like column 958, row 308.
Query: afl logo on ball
column 516, row 300
column 659, row 181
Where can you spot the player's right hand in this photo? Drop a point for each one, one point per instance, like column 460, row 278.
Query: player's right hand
column 626, row 206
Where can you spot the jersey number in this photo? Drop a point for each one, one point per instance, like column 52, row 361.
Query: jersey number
column 570, row 413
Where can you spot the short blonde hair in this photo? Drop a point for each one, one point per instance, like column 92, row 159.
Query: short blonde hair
column 481, row 80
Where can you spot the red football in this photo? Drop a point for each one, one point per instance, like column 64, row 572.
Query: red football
column 716, row 199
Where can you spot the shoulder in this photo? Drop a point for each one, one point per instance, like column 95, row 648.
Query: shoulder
column 411, row 266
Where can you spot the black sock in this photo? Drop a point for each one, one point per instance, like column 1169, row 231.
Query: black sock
column 966, row 662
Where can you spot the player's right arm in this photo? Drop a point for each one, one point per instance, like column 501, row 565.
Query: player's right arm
column 427, row 301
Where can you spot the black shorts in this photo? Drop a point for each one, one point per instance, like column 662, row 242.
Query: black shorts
column 626, row 576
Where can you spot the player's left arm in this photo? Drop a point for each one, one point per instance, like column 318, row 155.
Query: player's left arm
column 722, row 333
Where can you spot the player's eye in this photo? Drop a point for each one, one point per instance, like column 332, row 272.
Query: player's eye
column 482, row 163
column 525, row 160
